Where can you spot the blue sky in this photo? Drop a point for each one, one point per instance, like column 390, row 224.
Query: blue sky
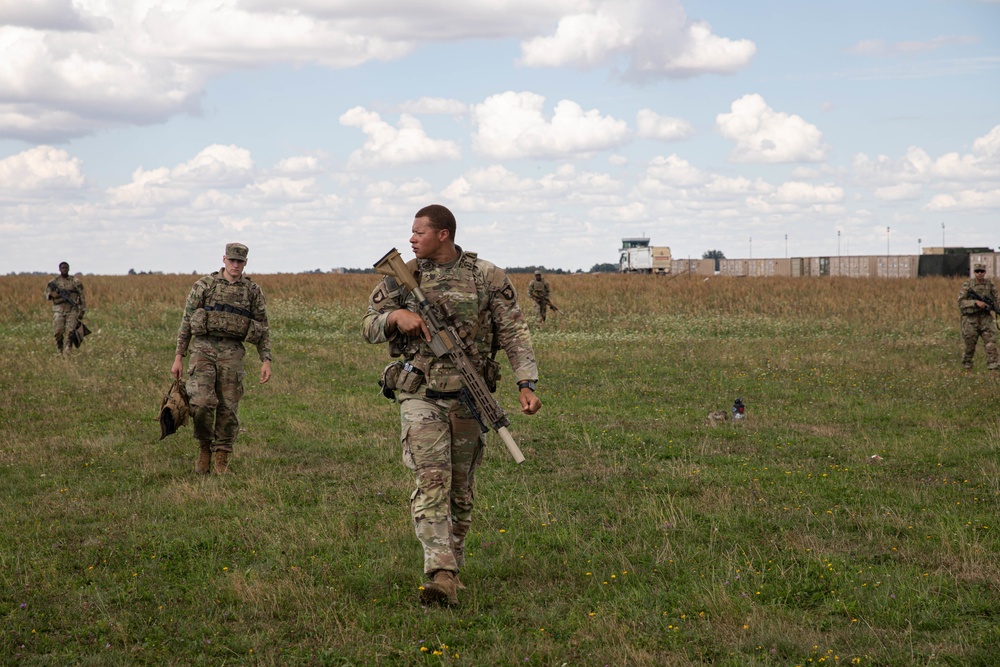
column 146, row 134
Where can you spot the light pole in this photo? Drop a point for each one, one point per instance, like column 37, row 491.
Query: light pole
column 942, row 236
column 786, row 246
column 919, row 241
column 887, row 242
column 838, row 243
column 751, row 247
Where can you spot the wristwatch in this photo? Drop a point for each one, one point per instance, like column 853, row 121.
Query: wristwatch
column 526, row 384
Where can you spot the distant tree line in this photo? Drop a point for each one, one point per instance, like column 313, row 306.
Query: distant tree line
column 532, row 269
column 607, row 267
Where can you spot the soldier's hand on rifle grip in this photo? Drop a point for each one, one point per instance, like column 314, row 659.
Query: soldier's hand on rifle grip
column 409, row 323
column 530, row 403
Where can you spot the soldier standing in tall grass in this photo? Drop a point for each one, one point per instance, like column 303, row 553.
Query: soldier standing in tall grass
column 68, row 305
column 977, row 318
column 222, row 310
column 442, row 441
column 539, row 292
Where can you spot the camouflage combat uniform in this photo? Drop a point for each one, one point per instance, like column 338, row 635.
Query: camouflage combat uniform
column 539, row 292
column 441, row 440
column 978, row 322
column 65, row 313
column 215, row 372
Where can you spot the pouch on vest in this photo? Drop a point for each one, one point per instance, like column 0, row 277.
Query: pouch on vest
column 491, row 373
column 227, row 325
column 255, row 332
column 197, row 320
column 411, row 377
column 389, row 381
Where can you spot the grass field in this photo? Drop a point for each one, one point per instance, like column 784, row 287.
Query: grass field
column 636, row 533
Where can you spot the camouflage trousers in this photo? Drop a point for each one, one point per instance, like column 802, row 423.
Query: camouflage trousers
column 442, row 444
column 540, row 308
column 974, row 327
column 215, row 387
column 64, row 319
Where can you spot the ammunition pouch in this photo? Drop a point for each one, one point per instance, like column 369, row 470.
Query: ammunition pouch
column 411, row 377
column 198, row 323
column 226, row 322
column 389, row 380
column 491, row 374
column 254, row 332
column 405, row 376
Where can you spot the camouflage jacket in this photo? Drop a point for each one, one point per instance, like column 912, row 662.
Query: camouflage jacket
column 483, row 299
column 214, row 290
column 70, row 285
column 985, row 288
column 538, row 290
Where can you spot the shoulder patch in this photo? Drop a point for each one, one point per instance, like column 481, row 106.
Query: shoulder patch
column 507, row 292
column 380, row 294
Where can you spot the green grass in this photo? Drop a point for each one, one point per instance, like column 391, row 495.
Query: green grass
column 635, row 533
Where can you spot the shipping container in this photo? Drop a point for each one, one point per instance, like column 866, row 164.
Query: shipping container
column 896, row 266
column 733, row 267
column 679, row 267
column 853, row 266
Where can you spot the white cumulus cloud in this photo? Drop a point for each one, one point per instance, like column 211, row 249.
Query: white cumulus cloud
column 513, row 125
column 651, row 38
column 38, row 170
column 764, row 135
column 900, row 192
column 652, row 125
column 435, row 105
column 388, row 146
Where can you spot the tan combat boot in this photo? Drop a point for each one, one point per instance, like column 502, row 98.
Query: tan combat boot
column 221, row 463
column 440, row 590
column 204, row 459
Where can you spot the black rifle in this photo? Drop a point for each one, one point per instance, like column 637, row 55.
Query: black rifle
column 65, row 295
column 990, row 306
column 447, row 341
column 547, row 301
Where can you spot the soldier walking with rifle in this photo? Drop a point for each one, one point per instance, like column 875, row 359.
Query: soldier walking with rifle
column 539, row 291
column 447, row 313
column 68, row 308
column 978, row 302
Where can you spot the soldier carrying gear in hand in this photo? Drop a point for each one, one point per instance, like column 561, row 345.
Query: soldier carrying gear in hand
column 976, row 299
column 68, row 305
column 223, row 310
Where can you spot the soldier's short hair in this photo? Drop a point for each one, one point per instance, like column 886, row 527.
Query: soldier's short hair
column 440, row 217
column 62, row 264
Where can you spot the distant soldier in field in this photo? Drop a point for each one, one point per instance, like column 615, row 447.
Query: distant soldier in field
column 68, row 306
column 441, row 439
column 539, row 292
column 223, row 310
column 976, row 300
